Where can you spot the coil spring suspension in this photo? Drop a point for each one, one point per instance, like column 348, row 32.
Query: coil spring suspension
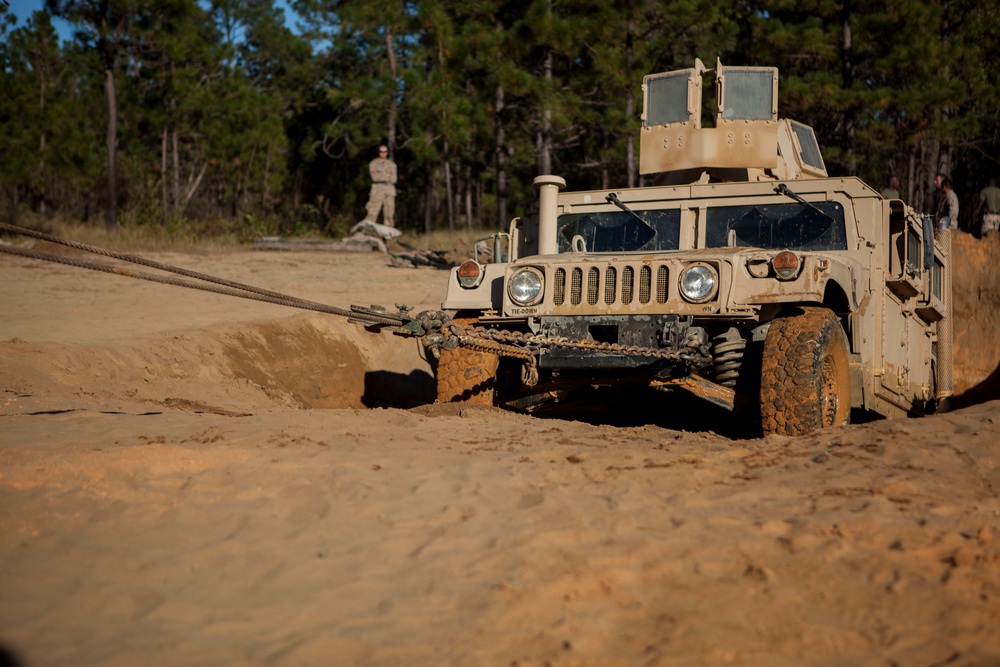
column 728, row 355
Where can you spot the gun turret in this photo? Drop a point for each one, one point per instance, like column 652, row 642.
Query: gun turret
column 748, row 141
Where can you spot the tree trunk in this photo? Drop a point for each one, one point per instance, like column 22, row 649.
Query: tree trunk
column 391, row 130
column 111, row 213
column 266, row 185
column 847, row 81
column 447, row 189
column 501, row 154
column 14, row 204
column 193, row 184
column 163, row 177
column 911, row 181
column 428, row 196
column 604, row 164
column 944, row 164
column 173, row 133
column 177, row 171
column 41, row 141
column 468, row 196
column 630, row 166
column 480, row 197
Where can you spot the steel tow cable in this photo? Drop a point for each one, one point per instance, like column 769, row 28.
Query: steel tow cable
column 228, row 287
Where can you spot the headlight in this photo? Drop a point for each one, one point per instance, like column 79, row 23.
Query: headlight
column 786, row 265
column 698, row 283
column 470, row 274
column 525, row 287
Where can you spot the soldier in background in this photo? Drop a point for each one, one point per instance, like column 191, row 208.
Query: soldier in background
column 891, row 190
column 990, row 196
column 949, row 204
column 383, row 192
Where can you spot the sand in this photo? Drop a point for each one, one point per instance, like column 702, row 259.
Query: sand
column 192, row 479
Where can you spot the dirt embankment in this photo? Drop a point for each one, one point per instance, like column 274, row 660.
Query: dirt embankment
column 171, row 494
column 976, row 294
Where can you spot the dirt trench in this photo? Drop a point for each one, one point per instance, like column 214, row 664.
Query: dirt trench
column 301, row 362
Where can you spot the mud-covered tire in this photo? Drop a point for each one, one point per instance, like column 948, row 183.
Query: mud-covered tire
column 805, row 374
column 467, row 376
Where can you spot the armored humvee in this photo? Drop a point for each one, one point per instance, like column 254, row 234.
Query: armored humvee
column 745, row 276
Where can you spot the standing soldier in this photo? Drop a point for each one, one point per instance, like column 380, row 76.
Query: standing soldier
column 383, row 192
column 891, row 190
column 949, row 203
column 990, row 196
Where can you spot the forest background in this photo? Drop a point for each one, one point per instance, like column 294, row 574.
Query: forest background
column 201, row 115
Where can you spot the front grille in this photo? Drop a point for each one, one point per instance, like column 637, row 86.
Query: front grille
column 628, row 285
column 616, row 284
column 661, row 284
column 593, row 280
column 644, row 281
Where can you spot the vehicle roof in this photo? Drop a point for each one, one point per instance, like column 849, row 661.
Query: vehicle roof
column 849, row 186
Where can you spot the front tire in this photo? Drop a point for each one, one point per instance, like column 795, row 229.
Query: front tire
column 805, row 374
column 467, row 376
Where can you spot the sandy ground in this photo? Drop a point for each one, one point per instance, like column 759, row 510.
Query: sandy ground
column 191, row 479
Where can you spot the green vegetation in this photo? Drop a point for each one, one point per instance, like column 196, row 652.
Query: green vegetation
column 201, row 117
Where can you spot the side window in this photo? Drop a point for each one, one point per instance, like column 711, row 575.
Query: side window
column 906, row 270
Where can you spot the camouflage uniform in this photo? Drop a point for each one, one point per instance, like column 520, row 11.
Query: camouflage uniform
column 949, row 207
column 990, row 196
column 949, row 202
column 383, row 192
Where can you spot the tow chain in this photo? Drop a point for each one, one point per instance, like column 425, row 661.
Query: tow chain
column 536, row 340
column 438, row 332
column 435, row 329
column 479, row 337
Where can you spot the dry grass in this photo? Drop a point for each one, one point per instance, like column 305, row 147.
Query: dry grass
column 209, row 235
column 135, row 238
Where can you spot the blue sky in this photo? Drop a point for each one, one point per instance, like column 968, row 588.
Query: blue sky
column 23, row 9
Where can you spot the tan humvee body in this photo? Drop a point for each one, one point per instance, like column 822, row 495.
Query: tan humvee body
column 612, row 276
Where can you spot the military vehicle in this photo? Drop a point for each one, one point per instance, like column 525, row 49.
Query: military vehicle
column 744, row 275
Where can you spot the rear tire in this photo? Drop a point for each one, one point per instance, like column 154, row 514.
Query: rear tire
column 467, row 376
column 805, row 374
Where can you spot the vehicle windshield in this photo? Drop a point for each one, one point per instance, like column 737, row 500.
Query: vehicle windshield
column 619, row 231
column 791, row 226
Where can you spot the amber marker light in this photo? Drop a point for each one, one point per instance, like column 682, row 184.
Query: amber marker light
column 470, row 274
column 786, row 265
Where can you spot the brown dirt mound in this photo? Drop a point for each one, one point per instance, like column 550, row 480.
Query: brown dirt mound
column 976, row 306
column 300, row 362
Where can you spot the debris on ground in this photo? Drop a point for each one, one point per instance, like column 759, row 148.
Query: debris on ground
column 375, row 229
column 409, row 257
column 354, row 243
column 365, row 236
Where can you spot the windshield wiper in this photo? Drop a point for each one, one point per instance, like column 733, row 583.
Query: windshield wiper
column 612, row 198
column 783, row 190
